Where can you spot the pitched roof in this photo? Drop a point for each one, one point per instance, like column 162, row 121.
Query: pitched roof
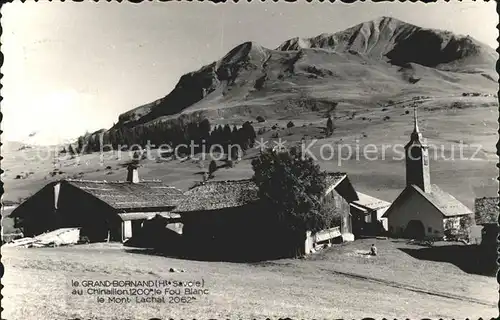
column 126, row 195
column 333, row 178
column 370, row 202
column 447, row 204
column 486, row 210
column 215, row 195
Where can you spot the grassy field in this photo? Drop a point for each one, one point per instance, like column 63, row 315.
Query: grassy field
column 341, row 281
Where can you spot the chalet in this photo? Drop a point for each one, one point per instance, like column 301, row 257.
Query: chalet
column 486, row 211
column 367, row 215
column 102, row 210
column 423, row 209
column 220, row 215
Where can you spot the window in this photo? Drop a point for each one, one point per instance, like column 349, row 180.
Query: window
column 429, row 229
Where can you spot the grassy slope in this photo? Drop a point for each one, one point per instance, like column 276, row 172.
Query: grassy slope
column 330, row 284
column 466, row 179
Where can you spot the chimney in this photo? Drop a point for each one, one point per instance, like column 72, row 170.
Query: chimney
column 132, row 174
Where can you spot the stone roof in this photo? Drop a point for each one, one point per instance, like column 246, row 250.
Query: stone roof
column 215, row 195
column 126, row 195
column 486, row 210
column 445, row 202
column 370, row 202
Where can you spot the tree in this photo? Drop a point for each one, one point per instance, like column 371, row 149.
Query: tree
column 290, row 124
column 71, row 151
column 80, row 144
column 249, row 133
column 293, row 185
column 204, row 129
column 226, row 135
column 329, row 126
column 212, row 167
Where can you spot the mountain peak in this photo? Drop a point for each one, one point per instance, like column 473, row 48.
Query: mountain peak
column 386, row 19
column 247, row 50
column 370, row 49
column 397, row 41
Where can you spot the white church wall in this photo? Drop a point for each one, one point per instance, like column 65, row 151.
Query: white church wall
column 415, row 207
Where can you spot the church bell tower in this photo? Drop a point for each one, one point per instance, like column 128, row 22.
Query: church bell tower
column 417, row 159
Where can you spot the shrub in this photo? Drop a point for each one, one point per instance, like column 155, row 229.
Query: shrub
column 260, row 119
column 205, row 176
column 137, row 155
column 261, row 130
column 290, row 124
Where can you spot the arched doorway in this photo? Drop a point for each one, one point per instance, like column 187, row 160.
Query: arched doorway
column 415, row 230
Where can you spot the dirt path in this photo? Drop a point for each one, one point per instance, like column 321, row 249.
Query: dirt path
column 411, row 288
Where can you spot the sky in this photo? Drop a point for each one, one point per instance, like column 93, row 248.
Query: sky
column 71, row 67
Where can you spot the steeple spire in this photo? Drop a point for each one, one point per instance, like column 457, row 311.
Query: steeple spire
column 415, row 135
column 415, row 119
column 417, row 158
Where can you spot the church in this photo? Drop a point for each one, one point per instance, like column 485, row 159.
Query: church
column 423, row 210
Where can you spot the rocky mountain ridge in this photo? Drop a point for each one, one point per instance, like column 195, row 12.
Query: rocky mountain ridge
column 381, row 57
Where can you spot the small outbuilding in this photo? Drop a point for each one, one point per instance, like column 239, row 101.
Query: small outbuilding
column 485, row 231
column 367, row 215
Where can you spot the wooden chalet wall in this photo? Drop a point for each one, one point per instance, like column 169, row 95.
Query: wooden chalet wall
column 336, row 201
column 77, row 208
column 239, row 233
column 37, row 214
